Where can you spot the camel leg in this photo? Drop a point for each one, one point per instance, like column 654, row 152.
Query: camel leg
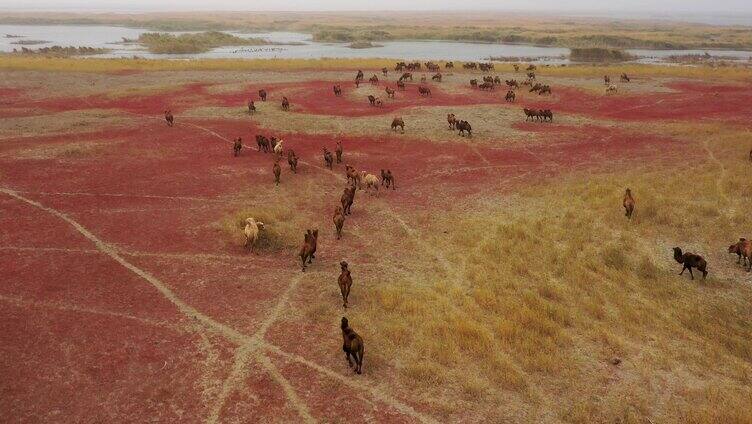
column 690, row 273
column 683, row 269
column 347, row 356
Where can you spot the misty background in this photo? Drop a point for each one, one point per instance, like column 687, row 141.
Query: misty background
column 646, row 8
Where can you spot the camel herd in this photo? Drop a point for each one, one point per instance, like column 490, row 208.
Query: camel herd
column 353, row 345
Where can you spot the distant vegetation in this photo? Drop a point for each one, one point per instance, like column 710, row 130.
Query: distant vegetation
column 597, row 54
column 702, row 59
column 521, row 59
column 58, row 51
column 486, row 27
column 536, row 35
column 194, row 43
column 344, row 35
column 29, row 42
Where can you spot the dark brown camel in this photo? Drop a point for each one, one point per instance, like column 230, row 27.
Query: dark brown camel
column 352, row 345
column 690, row 260
column 344, row 281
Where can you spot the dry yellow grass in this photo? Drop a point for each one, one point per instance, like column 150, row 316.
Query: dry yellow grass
column 527, row 299
column 69, row 122
column 328, row 64
column 72, row 150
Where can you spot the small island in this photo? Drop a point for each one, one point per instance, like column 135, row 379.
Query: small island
column 29, row 42
column 363, row 45
column 598, row 54
column 164, row 43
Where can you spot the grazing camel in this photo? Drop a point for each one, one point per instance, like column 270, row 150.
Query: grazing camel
column 347, row 199
column 237, row 145
column 251, row 232
column 736, row 249
column 452, row 120
column 285, row 104
column 169, row 118
column 385, row 71
column 690, row 260
column 436, row 78
column 262, row 95
column 372, row 100
column 372, row 183
column 743, row 251
column 328, row 159
column 510, row 96
column 263, row 143
column 359, row 75
column 374, row 80
column 338, row 152
column 345, row 282
column 337, row 90
column 352, row 345
column 424, row 91
column 624, row 78
column 251, row 106
column 401, row 85
column 464, row 127
column 546, row 115
column 353, row 176
column 389, row 92
column 486, row 86
column 398, row 122
column 628, row 203
column 339, row 221
column 309, row 247
column 292, row 160
column 277, row 171
column 388, row 179
column 278, row 147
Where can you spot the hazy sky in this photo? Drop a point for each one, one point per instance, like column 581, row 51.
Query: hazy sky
column 662, row 6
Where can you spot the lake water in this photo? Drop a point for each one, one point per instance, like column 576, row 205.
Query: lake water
column 111, row 38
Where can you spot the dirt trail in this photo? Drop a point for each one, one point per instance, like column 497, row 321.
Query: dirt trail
column 248, row 346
